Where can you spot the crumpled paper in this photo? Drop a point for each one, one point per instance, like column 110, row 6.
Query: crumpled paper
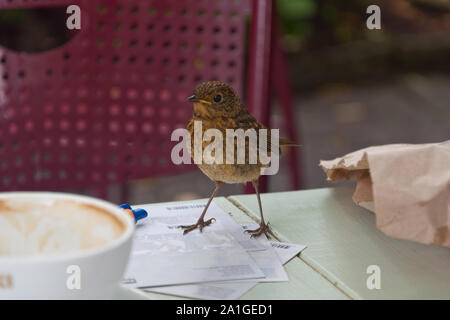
column 406, row 185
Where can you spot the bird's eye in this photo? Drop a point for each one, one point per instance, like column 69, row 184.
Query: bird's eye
column 217, row 98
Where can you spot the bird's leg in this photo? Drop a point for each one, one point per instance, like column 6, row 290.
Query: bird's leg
column 262, row 226
column 200, row 222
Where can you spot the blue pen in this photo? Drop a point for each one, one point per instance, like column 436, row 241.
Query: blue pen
column 136, row 214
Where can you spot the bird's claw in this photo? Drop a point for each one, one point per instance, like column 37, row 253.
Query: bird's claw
column 263, row 228
column 200, row 225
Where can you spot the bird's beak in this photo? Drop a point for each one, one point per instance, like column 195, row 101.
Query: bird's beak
column 195, row 99
column 192, row 98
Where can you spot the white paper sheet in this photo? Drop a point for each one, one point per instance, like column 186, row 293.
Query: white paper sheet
column 231, row 290
column 267, row 260
column 209, row 291
column 287, row 251
column 162, row 255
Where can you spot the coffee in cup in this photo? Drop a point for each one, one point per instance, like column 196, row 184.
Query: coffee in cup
column 30, row 227
column 61, row 246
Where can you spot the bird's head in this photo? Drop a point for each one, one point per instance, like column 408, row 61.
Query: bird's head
column 215, row 98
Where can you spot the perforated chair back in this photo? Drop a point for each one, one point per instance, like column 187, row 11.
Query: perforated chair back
column 100, row 109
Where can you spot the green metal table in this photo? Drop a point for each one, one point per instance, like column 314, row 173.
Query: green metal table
column 343, row 248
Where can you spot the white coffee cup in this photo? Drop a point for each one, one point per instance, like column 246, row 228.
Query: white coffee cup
column 92, row 273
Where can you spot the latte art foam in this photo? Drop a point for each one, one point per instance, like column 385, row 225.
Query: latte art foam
column 53, row 227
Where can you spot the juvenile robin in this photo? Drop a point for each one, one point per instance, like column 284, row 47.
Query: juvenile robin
column 217, row 106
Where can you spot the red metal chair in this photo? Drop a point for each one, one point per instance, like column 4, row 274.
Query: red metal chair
column 100, row 109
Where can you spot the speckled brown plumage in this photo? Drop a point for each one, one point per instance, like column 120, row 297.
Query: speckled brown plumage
column 217, row 106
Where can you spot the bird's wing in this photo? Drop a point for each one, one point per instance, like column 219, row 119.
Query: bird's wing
column 246, row 121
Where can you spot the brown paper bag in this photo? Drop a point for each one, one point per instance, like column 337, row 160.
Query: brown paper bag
column 407, row 186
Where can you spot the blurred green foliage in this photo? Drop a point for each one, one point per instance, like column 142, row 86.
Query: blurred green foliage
column 296, row 17
column 313, row 24
column 318, row 22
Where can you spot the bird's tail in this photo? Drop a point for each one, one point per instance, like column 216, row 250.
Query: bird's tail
column 288, row 143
